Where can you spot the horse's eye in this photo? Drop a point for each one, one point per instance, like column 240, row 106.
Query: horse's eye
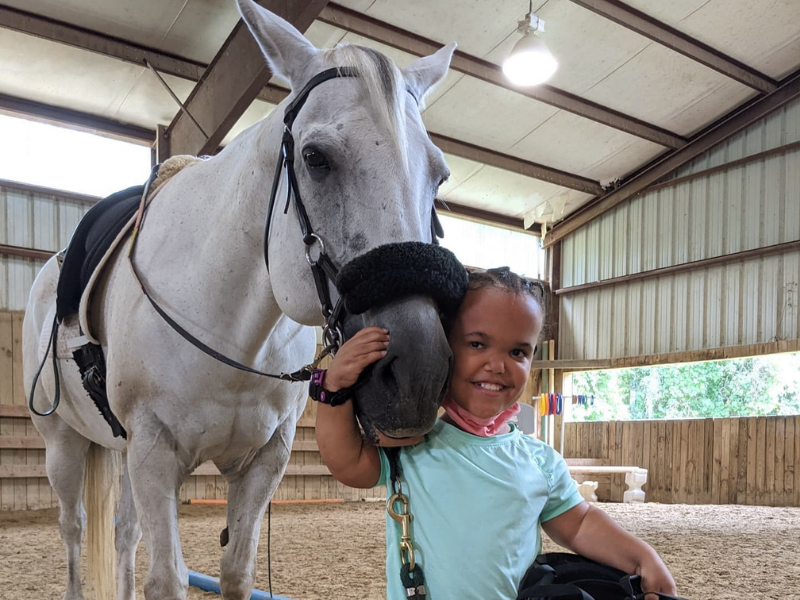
column 315, row 159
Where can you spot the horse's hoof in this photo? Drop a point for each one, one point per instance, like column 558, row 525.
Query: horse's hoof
column 223, row 538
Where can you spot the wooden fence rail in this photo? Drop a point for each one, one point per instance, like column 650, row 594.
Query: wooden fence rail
column 746, row 460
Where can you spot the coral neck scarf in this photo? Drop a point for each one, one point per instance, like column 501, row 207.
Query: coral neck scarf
column 476, row 426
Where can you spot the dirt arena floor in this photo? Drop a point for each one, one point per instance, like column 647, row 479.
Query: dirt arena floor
column 714, row 552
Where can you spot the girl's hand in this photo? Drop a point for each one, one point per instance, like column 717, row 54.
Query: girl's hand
column 364, row 348
column 655, row 577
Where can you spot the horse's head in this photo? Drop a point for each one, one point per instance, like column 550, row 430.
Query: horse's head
column 367, row 174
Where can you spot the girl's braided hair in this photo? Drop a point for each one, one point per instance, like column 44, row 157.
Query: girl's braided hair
column 501, row 278
column 505, row 279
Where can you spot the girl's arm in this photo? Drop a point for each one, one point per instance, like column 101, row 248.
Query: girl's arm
column 590, row 532
column 351, row 460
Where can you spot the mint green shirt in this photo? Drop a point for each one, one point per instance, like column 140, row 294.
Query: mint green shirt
column 478, row 504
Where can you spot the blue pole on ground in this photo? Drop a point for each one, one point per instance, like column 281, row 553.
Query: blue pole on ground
column 211, row 584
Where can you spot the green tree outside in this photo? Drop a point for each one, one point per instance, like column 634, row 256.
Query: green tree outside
column 768, row 385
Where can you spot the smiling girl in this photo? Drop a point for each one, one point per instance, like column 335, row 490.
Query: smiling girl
column 479, row 490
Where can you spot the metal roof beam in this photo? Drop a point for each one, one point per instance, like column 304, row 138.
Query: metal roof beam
column 446, row 207
column 663, row 34
column 231, row 82
column 79, row 120
column 94, row 124
column 84, row 39
column 516, row 165
column 164, row 63
column 349, row 20
column 729, row 125
column 77, row 37
column 91, row 123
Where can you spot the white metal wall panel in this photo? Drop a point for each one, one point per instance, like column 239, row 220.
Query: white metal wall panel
column 787, row 321
column 619, row 321
column 780, row 128
column 621, row 244
column 745, row 207
column 742, row 208
column 728, row 305
column 31, row 220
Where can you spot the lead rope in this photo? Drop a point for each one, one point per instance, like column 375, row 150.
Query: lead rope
column 411, row 573
column 269, row 549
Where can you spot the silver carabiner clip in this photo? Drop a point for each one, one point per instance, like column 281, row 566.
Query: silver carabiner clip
column 333, row 337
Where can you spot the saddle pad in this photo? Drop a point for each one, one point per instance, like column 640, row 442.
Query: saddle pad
column 84, row 274
column 92, row 238
column 68, row 335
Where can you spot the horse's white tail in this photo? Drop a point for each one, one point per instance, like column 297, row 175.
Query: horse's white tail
column 100, row 496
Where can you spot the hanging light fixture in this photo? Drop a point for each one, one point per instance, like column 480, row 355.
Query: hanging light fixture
column 530, row 62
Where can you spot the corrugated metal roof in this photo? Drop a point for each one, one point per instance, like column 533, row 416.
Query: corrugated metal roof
column 600, row 61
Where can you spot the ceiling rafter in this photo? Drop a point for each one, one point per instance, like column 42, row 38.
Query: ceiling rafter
column 506, row 162
column 179, row 67
column 729, row 125
column 231, row 82
column 365, row 26
column 78, row 37
column 478, row 214
column 95, row 124
column 676, row 40
column 78, row 120
column 99, row 43
column 516, row 165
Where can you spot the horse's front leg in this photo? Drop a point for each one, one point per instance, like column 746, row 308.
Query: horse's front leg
column 249, row 492
column 156, row 473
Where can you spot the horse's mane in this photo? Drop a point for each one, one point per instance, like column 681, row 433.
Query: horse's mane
column 384, row 85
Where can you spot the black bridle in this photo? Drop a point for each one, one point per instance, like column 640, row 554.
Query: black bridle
column 323, row 269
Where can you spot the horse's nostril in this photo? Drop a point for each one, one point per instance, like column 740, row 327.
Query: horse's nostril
column 388, row 371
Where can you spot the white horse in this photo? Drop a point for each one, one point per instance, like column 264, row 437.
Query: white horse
column 368, row 174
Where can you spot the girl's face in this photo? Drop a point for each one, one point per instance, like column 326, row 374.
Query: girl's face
column 492, row 339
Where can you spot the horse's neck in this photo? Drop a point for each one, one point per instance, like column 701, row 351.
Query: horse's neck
column 221, row 279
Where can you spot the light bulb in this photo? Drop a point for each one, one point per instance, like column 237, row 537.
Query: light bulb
column 530, row 62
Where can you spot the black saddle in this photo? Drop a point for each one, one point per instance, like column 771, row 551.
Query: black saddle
column 92, row 238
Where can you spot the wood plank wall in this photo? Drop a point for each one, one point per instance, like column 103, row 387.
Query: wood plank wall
column 18, row 493
column 747, row 460
column 22, row 453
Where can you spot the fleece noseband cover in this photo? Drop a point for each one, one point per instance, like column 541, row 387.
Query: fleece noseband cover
column 394, row 271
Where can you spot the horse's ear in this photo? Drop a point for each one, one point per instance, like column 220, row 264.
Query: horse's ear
column 424, row 73
column 286, row 50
